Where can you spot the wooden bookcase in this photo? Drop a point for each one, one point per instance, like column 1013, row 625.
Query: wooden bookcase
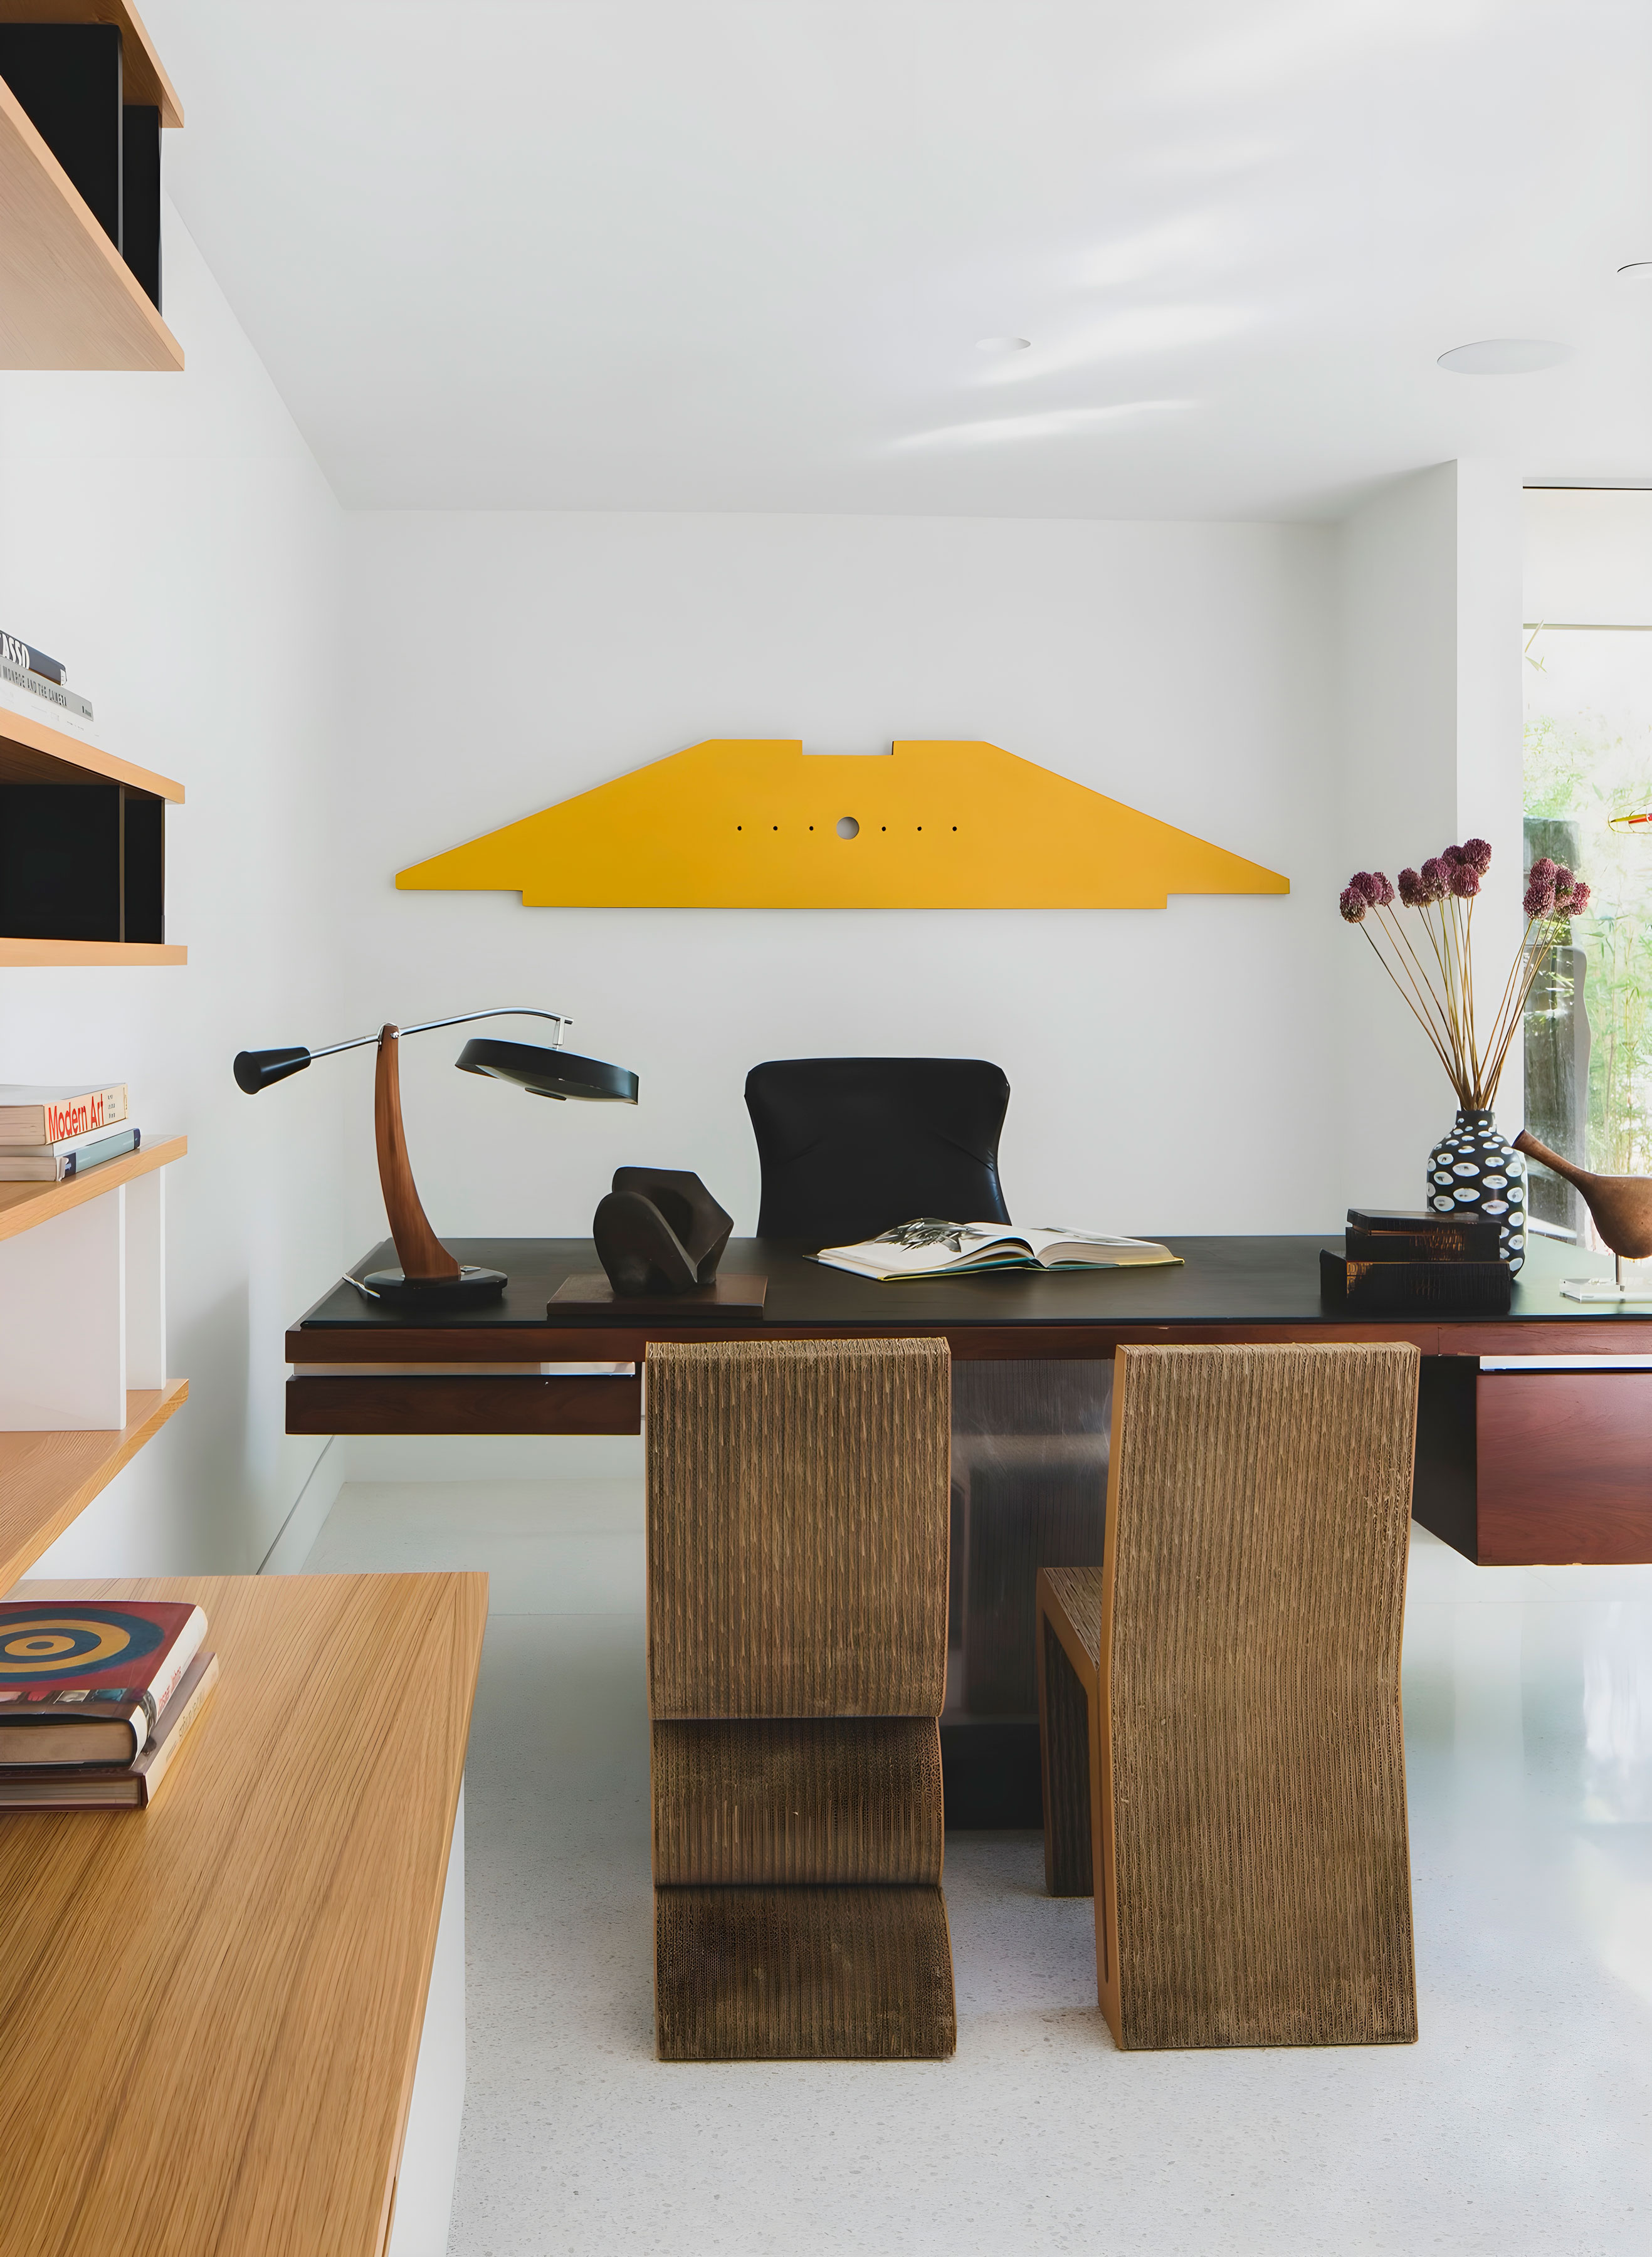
column 55, row 1305
column 67, row 298
column 82, row 852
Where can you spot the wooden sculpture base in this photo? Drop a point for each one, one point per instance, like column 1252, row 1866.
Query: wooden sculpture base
column 736, row 1300
column 470, row 1289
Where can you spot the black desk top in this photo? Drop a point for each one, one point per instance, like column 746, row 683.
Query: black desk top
column 1225, row 1282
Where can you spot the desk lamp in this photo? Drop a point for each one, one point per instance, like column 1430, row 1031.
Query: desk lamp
column 429, row 1278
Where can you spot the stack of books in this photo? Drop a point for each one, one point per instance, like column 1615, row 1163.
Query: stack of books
column 97, row 1698
column 1400, row 1262
column 32, row 683
column 48, row 1134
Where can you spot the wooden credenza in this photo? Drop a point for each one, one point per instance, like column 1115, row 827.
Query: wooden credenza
column 211, row 2012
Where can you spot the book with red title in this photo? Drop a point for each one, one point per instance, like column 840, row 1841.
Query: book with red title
column 45, row 1115
column 86, row 1680
column 114, row 1786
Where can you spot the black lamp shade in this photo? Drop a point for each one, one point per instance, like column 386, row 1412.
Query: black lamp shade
column 256, row 1070
column 540, row 1072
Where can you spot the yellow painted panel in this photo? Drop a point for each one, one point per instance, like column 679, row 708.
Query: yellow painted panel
column 752, row 822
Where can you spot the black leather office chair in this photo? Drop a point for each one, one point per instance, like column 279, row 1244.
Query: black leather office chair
column 853, row 1146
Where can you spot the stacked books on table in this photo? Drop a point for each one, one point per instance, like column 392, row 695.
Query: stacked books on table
column 1398, row 1263
column 47, row 1135
column 96, row 1697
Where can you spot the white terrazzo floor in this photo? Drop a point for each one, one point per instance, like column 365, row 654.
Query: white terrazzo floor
column 1520, row 2125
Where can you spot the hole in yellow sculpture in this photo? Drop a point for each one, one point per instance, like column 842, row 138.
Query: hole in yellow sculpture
column 848, row 827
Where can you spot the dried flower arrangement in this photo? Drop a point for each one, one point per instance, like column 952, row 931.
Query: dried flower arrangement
column 1444, row 893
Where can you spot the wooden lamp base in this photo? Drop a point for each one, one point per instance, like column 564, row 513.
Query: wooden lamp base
column 469, row 1289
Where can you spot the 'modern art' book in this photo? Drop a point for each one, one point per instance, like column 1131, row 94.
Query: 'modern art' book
column 929, row 1248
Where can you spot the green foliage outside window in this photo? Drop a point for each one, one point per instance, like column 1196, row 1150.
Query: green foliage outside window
column 1583, row 764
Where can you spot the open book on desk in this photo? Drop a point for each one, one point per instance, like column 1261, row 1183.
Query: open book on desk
column 930, row 1248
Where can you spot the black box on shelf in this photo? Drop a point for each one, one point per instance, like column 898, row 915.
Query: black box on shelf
column 82, row 862
column 140, row 196
column 67, row 79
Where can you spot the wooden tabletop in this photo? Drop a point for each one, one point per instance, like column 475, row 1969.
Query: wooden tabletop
column 1226, row 1289
column 210, row 2011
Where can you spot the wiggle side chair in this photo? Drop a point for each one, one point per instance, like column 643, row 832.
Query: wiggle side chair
column 798, row 1510
column 1219, row 1700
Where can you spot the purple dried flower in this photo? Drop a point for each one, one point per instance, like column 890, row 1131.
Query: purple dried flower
column 1477, row 850
column 1411, row 892
column 1577, row 903
column 1383, row 898
column 1465, row 880
column 1365, row 885
column 1451, row 856
column 1539, row 900
column 1353, row 904
column 1563, row 881
column 1434, row 875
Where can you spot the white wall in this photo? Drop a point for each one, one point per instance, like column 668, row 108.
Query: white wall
column 1588, row 556
column 1168, row 1068
column 1428, row 592
column 171, row 539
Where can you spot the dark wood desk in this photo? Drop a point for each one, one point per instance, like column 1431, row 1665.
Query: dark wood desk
column 1518, row 1467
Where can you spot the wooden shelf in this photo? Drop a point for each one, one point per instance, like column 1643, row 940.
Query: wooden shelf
column 143, row 76
column 33, row 752
column 214, row 2007
column 23, row 1205
column 67, row 298
column 47, row 1480
column 91, row 951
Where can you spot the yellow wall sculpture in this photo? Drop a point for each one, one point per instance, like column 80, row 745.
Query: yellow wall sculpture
column 754, row 823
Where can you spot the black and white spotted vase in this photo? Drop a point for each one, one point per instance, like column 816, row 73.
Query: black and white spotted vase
column 1475, row 1171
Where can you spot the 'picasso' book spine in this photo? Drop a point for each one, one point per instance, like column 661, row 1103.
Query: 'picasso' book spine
column 15, row 652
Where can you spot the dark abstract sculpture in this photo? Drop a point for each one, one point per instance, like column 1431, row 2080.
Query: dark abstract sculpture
column 659, row 1230
column 1622, row 1208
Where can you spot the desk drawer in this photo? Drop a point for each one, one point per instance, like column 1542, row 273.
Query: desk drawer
column 454, row 1405
column 1564, row 1468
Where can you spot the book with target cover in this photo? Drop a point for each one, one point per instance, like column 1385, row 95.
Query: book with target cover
column 88, row 1680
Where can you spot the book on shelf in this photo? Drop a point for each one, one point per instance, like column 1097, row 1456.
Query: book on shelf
column 85, row 1680
column 116, row 1787
column 928, row 1247
column 36, row 1114
column 43, row 700
column 15, row 652
column 75, row 1156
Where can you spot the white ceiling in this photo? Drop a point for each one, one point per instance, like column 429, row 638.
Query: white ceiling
column 734, row 254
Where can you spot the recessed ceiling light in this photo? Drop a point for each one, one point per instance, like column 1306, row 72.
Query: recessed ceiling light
column 1505, row 357
column 1638, row 270
column 1002, row 344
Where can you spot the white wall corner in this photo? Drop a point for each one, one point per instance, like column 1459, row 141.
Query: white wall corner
column 316, row 1497
column 1429, row 654
column 1489, row 541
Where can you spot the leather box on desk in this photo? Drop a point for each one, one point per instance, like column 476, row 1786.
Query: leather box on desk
column 1403, row 1288
column 1467, row 1241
